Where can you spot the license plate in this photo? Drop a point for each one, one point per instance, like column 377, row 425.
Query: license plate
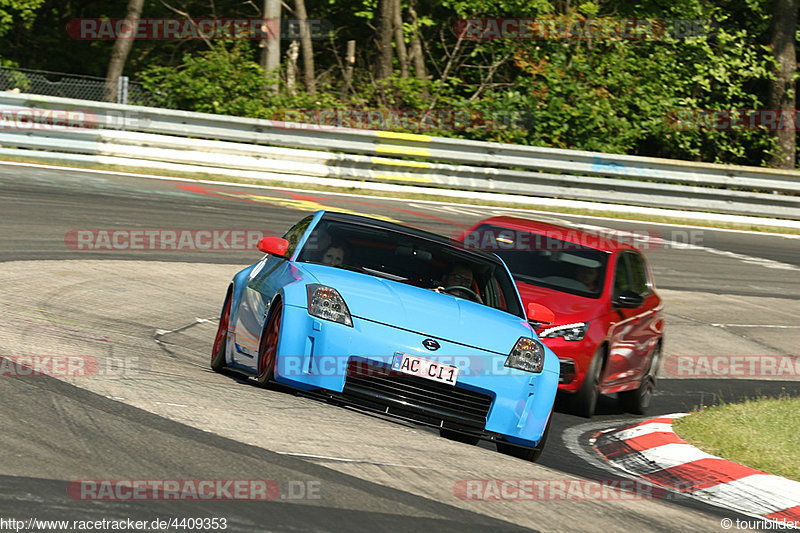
column 424, row 368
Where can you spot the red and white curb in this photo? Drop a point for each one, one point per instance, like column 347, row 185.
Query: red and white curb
column 652, row 450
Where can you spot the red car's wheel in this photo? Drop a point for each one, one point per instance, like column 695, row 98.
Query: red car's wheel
column 268, row 346
column 638, row 401
column 220, row 340
column 585, row 400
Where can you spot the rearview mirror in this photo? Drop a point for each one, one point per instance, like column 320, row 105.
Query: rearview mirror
column 273, row 246
column 629, row 300
column 541, row 314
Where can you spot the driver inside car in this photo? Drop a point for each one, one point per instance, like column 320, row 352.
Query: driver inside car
column 459, row 281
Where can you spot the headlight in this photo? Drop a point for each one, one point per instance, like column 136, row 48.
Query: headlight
column 527, row 355
column 326, row 302
column 570, row 332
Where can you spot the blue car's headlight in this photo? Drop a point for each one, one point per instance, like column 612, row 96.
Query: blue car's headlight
column 527, row 355
column 326, row 302
column 570, row 332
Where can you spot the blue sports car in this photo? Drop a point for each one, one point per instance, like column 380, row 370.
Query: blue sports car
column 392, row 319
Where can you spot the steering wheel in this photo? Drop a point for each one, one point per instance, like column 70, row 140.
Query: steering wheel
column 472, row 294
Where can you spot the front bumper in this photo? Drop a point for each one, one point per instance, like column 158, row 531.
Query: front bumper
column 488, row 398
column 574, row 360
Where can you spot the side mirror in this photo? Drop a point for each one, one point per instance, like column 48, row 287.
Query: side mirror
column 273, row 246
column 629, row 300
column 541, row 314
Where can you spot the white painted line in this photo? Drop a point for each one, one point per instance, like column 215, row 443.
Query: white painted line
column 661, row 457
column 667, row 243
column 769, row 263
column 644, row 429
column 171, row 404
column 754, row 326
column 759, row 493
column 510, row 198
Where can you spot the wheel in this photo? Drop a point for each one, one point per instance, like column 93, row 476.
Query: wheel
column 638, row 401
column 524, row 453
column 458, row 437
column 221, row 339
column 268, row 346
column 469, row 292
column 585, row 400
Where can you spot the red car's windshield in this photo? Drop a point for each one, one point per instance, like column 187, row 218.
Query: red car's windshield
column 545, row 261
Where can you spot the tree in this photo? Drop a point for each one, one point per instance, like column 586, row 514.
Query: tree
column 416, row 57
column 271, row 51
column 399, row 38
column 23, row 11
column 119, row 54
column 782, row 95
column 308, row 50
column 385, row 36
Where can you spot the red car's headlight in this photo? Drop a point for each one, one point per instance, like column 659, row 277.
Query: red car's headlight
column 570, row 332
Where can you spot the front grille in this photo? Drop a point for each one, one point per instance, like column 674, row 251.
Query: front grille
column 414, row 397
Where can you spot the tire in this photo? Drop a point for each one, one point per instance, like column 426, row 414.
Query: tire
column 458, row 437
column 638, row 401
column 267, row 348
column 585, row 400
column 221, row 338
column 526, row 454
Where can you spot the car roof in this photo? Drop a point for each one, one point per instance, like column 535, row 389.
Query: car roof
column 413, row 232
column 590, row 239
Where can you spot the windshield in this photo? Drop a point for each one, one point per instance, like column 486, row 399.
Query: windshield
column 546, row 261
column 414, row 260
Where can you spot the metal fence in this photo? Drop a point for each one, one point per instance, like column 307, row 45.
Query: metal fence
column 63, row 130
column 70, row 85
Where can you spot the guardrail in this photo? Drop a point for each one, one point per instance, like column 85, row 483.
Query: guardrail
column 78, row 130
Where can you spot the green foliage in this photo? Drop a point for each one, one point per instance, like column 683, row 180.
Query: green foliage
column 760, row 433
column 222, row 80
column 17, row 11
column 610, row 95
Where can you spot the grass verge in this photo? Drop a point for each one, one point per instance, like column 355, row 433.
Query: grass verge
column 763, row 433
column 427, row 196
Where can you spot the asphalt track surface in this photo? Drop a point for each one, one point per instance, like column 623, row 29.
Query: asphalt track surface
column 729, row 293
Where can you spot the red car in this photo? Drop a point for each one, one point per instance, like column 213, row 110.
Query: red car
column 591, row 300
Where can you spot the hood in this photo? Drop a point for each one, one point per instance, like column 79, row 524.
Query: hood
column 567, row 307
column 424, row 311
